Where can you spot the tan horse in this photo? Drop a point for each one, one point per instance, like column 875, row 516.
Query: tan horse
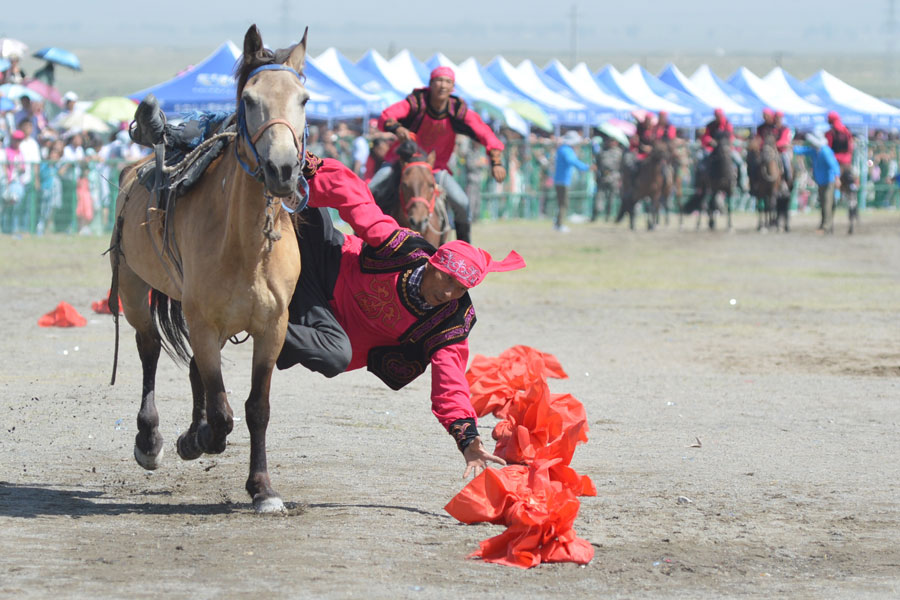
column 420, row 205
column 234, row 266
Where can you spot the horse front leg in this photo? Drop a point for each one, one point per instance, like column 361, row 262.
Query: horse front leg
column 259, row 486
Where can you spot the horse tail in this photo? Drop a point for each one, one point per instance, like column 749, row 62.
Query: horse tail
column 169, row 319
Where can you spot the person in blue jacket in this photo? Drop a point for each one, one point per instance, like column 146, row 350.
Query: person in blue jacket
column 826, row 174
column 566, row 161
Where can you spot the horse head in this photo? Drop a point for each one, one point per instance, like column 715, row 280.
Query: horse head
column 418, row 190
column 271, row 116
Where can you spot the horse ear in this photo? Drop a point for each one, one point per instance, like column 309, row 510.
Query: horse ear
column 252, row 41
column 297, row 58
column 430, row 158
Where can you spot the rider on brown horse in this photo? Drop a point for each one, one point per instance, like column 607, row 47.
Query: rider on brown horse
column 434, row 116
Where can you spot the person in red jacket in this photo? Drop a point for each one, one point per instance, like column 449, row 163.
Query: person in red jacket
column 766, row 128
column 719, row 126
column 433, row 116
column 840, row 140
column 783, row 136
column 663, row 130
column 387, row 300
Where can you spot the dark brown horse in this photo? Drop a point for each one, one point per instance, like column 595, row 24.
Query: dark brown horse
column 766, row 174
column 716, row 178
column 232, row 267
column 650, row 180
column 420, row 204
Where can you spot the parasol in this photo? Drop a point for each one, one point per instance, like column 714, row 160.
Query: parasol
column 113, row 109
column 59, row 56
column 533, row 113
column 46, row 91
column 17, row 90
column 10, row 47
column 81, row 122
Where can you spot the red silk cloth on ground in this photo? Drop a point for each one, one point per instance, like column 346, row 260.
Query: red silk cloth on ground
column 102, row 306
column 538, row 512
column 64, row 315
column 493, row 382
column 536, row 499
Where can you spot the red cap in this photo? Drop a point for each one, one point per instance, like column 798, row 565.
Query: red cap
column 663, row 115
column 833, row 117
column 719, row 113
column 443, row 72
column 768, row 112
column 18, row 134
column 469, row 265
column 779, row 114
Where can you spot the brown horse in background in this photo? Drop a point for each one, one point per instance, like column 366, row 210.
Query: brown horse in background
column 420, row 204
column 232, row 265
column 652, row 181
column 766, row 174
column 715, row 183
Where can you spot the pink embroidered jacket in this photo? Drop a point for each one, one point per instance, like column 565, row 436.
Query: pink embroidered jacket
column 366, row 305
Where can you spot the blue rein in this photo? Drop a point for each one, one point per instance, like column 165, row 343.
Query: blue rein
column 302, row 184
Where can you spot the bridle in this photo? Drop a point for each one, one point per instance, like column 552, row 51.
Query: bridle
column 409, row 203
column 243, row 133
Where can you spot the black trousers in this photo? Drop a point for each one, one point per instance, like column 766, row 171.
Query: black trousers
column 314, row 337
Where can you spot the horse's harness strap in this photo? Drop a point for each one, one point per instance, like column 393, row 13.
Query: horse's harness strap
column 300, row 145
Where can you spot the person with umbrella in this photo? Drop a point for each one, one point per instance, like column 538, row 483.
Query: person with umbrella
column 13, row 73
column 55, row 56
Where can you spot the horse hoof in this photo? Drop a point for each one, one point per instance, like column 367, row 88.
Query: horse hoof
column 206, row 442
column 187, row 446
column 268, row 504
column 148, row 461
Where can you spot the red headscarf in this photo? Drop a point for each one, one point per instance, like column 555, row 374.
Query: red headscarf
column 469, row 265
column 443, row 72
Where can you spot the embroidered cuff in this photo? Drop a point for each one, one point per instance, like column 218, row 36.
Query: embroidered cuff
column 496, row 158
column 464, row 432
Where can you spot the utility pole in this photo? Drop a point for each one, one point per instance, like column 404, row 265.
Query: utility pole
column 289, row 36
column 891, row 29
column 574, row 34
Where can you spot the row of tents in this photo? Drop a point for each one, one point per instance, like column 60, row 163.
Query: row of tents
column 526, row 96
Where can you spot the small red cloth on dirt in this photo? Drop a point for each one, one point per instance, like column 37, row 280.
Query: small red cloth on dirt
column 538, row 512
column 63, row 315
column 102, row 306
column 469, row 265
column 494, row 381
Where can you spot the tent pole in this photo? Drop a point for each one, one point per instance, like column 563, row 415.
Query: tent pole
column 864, row 170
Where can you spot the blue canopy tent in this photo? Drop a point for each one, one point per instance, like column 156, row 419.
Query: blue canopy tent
column 580, row 82
column 710, row 94
column 798, row 113
column 598, row 112
column 561, row 109
column 378, row 68
column 638, row 76
column 357, row 81
column 207, row 86
column 328, row 100
column 645, row 98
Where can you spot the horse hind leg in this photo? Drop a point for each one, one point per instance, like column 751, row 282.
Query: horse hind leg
column 148, row 443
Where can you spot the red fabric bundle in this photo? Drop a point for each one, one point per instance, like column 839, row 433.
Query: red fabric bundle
column 493, row 382
column 64, row 315
column 102, row 306
column 538, row 511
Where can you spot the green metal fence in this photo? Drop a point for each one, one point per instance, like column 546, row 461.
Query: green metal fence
column 51, row 200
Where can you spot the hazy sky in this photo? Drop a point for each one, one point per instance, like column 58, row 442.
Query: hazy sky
column 467, row 27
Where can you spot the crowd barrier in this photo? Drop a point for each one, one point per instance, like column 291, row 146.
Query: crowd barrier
column 80, row 197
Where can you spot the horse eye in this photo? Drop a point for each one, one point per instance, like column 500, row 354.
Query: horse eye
column 303, row 102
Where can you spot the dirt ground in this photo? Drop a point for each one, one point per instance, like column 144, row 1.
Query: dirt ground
column 780, row 353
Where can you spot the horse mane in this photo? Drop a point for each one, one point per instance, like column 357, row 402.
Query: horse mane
column 246, row 64
column 409, row 151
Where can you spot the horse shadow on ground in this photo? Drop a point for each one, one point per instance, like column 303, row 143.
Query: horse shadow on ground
column 41, row 500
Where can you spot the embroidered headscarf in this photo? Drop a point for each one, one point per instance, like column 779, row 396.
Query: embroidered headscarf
column 469, row 265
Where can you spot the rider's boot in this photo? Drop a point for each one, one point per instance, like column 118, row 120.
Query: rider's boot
column 149, row 126
column 464, row 232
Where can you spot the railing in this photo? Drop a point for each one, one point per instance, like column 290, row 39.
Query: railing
column 80, row 197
